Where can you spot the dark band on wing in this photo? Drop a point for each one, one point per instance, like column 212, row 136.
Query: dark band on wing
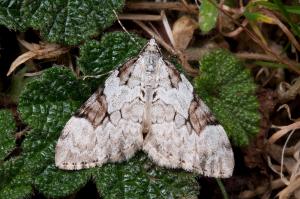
column 126, row 70
column 94, row 109
column 199, row 116
column 174, row 75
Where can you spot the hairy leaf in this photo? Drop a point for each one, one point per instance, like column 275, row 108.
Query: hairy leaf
column 7, row 128
column 10, row 14
column 32, row 169
column 229, row 91
column 45, row 104
column 48, row 102
column 14, row 184
column 97, row 58
column 100, row 58
column 55, row 183
column 141, row 178
column 67, row 22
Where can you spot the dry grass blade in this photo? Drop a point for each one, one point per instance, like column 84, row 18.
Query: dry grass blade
column 291, row 163
column 167, row 27
column 20, row 60
column 283, row 131
column 290, row 189
column 37, row 51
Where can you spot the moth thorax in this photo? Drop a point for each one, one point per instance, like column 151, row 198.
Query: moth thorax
column 151, row 64
column 150, row 68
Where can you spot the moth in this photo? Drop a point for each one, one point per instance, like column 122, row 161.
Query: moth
column 146, row 105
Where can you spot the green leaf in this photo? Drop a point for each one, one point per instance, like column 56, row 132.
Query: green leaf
column 208, row 15
column 7, row 129
column 141, row 178
column 14, row 184
column 228, row 89
column 10, row 15
column 66, row 22
column 45, row 104
column 98, row 58
column 48, row 102
column 55, row 183
column 258, row 17
column 36, row 168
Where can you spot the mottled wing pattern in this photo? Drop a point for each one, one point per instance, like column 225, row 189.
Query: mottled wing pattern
column 107, row 128
column 184, row 133
column 148, row 105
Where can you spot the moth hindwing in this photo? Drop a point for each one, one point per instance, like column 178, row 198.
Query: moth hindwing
column 146, row 105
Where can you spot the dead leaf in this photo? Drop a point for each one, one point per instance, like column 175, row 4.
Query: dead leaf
column 183, row 30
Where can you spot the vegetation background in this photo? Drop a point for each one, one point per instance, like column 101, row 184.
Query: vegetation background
column 242, row 57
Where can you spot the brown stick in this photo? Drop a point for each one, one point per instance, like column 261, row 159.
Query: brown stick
column 255, row 56
column 265, row 57
column 140, row 17
column 182, row 6
column 236, row 31
column 163, row 6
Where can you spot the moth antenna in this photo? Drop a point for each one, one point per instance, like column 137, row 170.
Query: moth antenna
column 97, row 76
column 122, row 26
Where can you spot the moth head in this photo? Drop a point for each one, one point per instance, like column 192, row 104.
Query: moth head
column 152, row 55
column 152, row 47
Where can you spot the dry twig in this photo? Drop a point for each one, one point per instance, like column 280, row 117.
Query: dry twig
column 37, row 51
column 140, row 17
column 178, row 6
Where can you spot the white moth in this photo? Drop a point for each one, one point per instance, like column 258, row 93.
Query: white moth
column 146, row 105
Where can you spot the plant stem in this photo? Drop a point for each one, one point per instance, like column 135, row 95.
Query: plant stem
column 222, row 188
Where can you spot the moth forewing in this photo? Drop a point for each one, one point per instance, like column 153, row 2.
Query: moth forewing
column 146, row 105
